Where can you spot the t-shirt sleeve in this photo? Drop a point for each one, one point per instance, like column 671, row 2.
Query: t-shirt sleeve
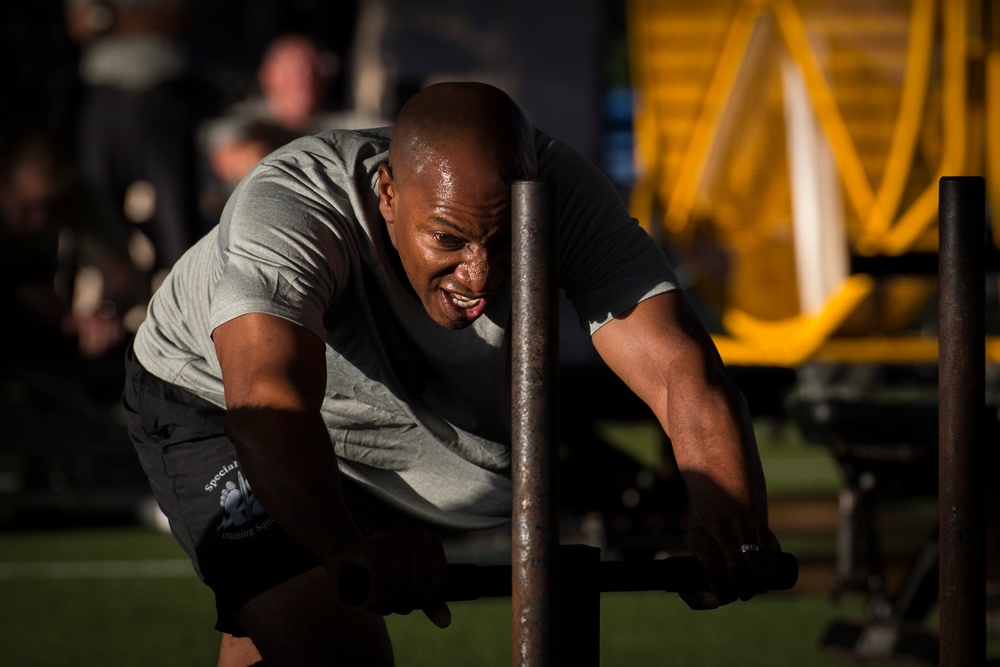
column 283, row 249
column 607, row 262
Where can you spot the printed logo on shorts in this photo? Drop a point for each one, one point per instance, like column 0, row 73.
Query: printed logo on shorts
column 243, row 514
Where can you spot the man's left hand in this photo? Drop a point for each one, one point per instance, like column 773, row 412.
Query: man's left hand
column 738, row 559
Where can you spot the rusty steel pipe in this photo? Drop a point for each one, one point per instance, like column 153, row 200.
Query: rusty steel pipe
column 961, row 407
column 535, row 437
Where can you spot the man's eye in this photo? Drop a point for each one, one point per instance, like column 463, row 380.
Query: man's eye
column 448, row 241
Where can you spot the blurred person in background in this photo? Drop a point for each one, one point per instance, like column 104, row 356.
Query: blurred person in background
column 70, row 298
column 138, row 116
column 293, row 99
column 67, row 276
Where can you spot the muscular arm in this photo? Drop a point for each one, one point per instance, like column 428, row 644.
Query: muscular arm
column 663, row 353
column 274, row 374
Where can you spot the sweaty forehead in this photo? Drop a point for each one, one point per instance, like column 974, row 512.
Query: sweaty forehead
column 453, row 163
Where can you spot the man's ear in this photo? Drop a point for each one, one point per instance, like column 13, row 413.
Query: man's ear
column 387, row 199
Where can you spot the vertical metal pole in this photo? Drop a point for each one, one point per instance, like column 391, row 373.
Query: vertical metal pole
column 961, row 405
column 534, row 359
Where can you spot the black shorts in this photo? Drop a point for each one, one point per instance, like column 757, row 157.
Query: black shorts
column 236, row 548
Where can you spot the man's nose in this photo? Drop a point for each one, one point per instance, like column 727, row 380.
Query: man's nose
column 481, row 272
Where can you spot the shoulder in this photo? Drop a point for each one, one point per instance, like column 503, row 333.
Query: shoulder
column 330, row 165
column 569, row 169
column 318, row 187
column 582, row 187
column 338, row 154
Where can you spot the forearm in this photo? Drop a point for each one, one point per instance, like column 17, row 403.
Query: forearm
column 292, row 469
column 664, row 354
column 714, row 444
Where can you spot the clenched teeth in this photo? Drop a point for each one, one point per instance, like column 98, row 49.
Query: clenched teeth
column 463, row 302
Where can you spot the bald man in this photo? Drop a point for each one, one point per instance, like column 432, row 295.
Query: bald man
column 323, row 380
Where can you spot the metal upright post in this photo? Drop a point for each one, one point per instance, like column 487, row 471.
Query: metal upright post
column 535, row 437
column 961, row 404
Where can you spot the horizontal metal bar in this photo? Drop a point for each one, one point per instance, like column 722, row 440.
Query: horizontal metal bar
column 675, row 574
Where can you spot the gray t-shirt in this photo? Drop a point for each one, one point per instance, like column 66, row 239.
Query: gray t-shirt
column 419, row 414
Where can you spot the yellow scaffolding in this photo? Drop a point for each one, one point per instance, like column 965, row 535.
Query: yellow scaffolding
column 777, row 138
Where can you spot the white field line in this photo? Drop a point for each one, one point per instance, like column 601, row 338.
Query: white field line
column 97, row 569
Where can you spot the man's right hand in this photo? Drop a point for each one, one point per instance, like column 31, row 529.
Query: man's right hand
column 394, row 573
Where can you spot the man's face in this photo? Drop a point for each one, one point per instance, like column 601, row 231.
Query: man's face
column 451, row 228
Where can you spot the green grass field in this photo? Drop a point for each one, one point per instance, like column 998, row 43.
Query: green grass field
column 126, row 596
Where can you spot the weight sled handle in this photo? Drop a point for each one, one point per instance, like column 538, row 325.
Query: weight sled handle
column 679, row 574
column 676, row 574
